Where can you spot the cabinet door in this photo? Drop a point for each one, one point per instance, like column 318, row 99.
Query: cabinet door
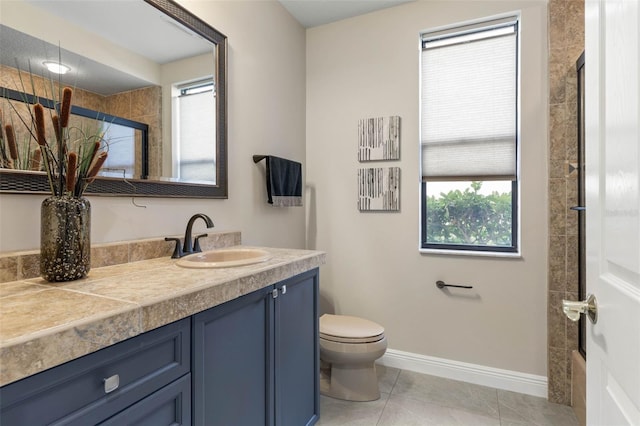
column 231, row 362
column 296, row 351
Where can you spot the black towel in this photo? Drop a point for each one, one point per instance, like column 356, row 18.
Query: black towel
column 284, row 182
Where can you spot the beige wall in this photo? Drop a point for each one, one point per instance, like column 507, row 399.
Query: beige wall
column 266, row 116
column 368, row 66
column 360, row 67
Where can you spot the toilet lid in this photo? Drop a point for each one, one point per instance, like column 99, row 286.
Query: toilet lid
column 344, row 328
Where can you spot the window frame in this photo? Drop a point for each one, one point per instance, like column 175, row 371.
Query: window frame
column 468, row 249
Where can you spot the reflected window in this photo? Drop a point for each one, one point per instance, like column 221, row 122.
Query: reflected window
column 121, row 161
column 195, row 131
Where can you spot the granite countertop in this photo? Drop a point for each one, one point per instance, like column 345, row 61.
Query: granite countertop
column 46, row 324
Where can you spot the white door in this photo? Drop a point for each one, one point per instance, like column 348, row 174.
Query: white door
column 612, row 77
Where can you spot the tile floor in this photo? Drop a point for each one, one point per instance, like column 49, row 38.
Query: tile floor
column 409, row 398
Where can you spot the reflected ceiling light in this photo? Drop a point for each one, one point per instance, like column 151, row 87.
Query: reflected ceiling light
column 56, row 67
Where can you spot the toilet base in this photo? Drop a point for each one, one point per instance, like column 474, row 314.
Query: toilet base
column 350, row 382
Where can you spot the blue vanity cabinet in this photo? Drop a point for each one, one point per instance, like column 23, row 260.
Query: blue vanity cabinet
column 255, row 358
column 147, row 377
column 250, row 361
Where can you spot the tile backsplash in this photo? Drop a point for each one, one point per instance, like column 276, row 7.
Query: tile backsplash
column 20, row 265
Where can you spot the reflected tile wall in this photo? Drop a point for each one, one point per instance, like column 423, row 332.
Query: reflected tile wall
column 21, row 81
column 566, row 43
column 142, row 105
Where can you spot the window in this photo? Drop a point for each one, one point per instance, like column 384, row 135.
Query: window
column 195, row 132
column 121, row 161
column 469, row 117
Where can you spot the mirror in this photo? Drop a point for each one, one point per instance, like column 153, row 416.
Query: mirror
column 189, row 62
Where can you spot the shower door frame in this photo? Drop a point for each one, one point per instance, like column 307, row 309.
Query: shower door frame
column 581, row 207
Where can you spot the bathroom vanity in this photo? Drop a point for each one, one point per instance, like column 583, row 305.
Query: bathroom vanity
column 175, row 346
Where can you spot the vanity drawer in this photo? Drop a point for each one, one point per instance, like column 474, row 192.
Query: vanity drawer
column 171, row 405
column 91, row 389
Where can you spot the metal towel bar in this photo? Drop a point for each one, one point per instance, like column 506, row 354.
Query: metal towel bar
column 442, row 284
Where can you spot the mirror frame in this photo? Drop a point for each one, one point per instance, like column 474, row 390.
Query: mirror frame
column 35, row 182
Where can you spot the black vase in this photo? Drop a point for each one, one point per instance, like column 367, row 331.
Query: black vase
column 65, row 238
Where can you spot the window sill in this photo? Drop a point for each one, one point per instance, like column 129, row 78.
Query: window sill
column 507, row 255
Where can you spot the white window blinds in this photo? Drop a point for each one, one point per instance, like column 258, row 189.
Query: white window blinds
column 469, row 101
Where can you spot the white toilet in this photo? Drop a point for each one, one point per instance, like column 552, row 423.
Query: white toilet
column 349, row 347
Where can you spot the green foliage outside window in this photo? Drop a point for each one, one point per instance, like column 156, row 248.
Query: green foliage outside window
column 469, row 217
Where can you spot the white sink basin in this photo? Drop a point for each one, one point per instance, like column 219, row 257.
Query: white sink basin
column 224, row 258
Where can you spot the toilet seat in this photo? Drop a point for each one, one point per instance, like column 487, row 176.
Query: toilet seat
column 351, row 340
column 348, row 329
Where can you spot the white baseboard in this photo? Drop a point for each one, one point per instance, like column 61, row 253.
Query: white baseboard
column 515, row 381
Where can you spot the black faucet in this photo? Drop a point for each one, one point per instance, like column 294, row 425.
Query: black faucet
column 195, row 248
column 189, row 245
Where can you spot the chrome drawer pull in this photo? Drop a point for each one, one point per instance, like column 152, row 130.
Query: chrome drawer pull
column 111, row 383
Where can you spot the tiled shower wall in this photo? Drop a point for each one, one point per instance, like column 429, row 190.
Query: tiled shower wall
column 566, row 43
